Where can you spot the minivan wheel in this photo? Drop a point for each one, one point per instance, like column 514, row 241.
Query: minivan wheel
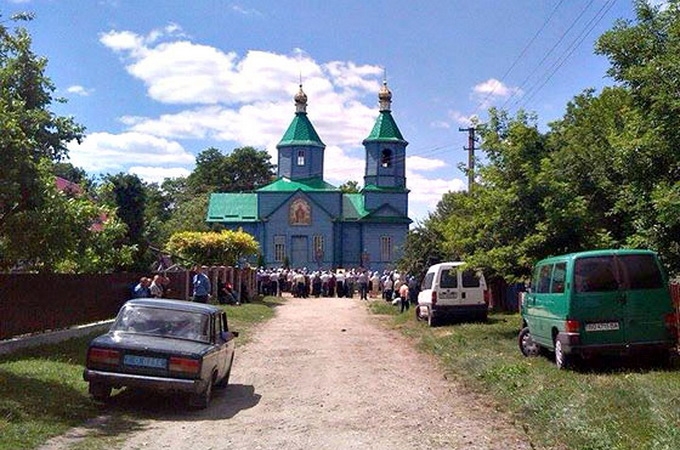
column 562, row 360
column 527, row 345
column 431, row 321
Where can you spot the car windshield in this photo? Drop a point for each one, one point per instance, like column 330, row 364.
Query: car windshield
column 163, row 322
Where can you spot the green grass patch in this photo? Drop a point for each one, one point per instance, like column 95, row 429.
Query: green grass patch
column 611, row 404
column 42, row 392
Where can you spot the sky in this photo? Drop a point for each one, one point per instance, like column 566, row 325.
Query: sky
column 155, row 82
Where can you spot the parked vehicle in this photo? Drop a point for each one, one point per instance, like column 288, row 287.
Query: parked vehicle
column 597, row 302
column 163, row 345
column 451, row 290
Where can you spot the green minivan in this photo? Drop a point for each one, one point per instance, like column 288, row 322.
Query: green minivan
column 598, row 302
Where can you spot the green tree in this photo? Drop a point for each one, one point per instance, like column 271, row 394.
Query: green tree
column 349, row 187
column 244, row 169
column 643, row 59
column 30, row 136
column 126, row 193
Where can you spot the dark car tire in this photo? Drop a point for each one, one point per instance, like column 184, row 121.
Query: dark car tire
column 431, row 320
column 526, row 343
column 225, row 381
column 563, row 360
column 202, row 400
column 100, row 392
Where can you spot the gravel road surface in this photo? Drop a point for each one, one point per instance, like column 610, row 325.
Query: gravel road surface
column 326, row 374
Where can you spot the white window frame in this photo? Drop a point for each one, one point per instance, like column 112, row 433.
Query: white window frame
column 279, row 248
column 386, row 248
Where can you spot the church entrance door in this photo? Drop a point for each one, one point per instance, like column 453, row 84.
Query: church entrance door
column 299, row 251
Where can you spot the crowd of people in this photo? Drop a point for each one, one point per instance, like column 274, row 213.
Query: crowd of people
column 306, row 283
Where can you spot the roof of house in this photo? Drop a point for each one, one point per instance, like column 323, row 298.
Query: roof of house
column 232, row 207
column 284, row 184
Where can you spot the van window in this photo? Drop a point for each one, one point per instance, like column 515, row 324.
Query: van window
column 558, row 277
column 543, row 282
column 448, row 279
column 641, row 271
column 470, row 279
column 427, row 281
column 595, row 274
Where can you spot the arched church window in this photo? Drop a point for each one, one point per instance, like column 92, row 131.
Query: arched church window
column 386, row 158
column 301, row 158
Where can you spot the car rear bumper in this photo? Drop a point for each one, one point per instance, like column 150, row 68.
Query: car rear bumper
column 119, row 380
column 571, row 343
column 459, row 310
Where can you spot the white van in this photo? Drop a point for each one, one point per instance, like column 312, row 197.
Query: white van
column 451, row 290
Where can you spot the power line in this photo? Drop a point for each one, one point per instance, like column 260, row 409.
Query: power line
column 590, row 26
column 548, row 53
column 521, row 55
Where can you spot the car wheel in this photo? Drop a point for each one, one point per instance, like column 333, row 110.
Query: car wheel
column 225, row 381
column 562, row 360
column 417, row 309
column 100, row 392
column 431, row 320
column 202, row 400
column 527, row 345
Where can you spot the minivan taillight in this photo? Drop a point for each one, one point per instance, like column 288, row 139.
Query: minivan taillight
column 671, row 322
column 487, row 296
column 434, row 298
column 572, row 326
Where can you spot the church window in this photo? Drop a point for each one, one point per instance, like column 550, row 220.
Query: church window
column 386, row 248
column 301, row 158
column 386, row 158
column 279, row 248
column 318, row 243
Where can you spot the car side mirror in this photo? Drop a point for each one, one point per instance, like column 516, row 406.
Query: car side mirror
column 226, row 335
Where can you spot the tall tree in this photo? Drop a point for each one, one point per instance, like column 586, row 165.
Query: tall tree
column 126, row 193
column 349, row 187
column 244, row 169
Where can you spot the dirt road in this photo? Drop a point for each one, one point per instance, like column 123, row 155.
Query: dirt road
column 324, row 374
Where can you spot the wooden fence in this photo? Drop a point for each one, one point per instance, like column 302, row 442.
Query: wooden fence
column 31, row 303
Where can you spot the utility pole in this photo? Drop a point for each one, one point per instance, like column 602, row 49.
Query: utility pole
column 471, row 155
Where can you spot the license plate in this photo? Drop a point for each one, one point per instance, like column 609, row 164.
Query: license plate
column 145, row 361
column 602, row 326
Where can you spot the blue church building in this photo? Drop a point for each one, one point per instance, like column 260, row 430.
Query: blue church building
column 301, row 219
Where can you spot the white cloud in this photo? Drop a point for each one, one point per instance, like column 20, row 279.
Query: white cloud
column 105, row 152
column 340, row 167
column 79, row 90
column 491, row 90
column 245, row 11
column 247, row 100
column 440, row 124
column 158, row 174
column 462, row 119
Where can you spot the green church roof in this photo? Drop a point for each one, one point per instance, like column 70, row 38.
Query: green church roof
column 232, row 207
column 353, row 207
column 385, row 129
column 301, row 132
column 307, row 185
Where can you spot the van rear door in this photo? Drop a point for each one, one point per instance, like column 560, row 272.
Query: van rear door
column 472, row 287
column 447, row 286
column 598, row 303
column 647, row 300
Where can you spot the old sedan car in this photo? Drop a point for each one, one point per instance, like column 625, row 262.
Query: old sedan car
column 164, row 345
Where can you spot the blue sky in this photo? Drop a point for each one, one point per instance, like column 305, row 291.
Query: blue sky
column 157, row 81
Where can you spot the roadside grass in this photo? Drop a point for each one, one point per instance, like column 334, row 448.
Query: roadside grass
column 42, row 392
column 607, row 404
